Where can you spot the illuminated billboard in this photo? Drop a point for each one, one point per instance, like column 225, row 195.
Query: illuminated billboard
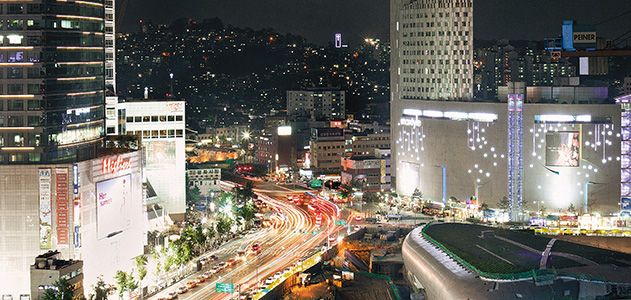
column 45, row 209
column 563, row 149
column 113, row 201
column 160, row 155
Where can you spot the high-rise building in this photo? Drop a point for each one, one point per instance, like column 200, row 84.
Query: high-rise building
column 317, row 104
column 52, row 89
column 433, row 46
column 110, row 45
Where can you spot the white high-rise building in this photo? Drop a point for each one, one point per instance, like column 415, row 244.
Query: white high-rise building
column 432, row 49
column 110, row 45
column 431, row 59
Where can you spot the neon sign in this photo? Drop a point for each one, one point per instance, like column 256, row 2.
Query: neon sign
column 115, row 165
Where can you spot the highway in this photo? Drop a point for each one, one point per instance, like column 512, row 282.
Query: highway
column 296, row 236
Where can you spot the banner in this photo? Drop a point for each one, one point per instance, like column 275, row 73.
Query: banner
column 62, row 205
column 45, row 213
column 563, row 149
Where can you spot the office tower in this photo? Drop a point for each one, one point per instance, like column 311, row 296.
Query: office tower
column 432, row 49
column 52, row 88
column 110, row 45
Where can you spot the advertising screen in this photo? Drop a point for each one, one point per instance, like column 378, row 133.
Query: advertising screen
column 625, row 203
column 563, row 149
column 113, row 200
column 160, row 155
column 45, row 209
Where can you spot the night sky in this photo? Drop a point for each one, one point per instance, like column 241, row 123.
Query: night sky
column 318, row 20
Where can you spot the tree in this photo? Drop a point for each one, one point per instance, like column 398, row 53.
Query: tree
column 503, row 203
column 571, row 209
column 141, row 266
column 60, row 290
column 125, row 282
column 192, row 195
column 371, row 197
column 223, row 225
column 484, row 206
column 100, row 291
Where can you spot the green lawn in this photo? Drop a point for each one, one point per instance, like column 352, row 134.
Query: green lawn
column 601, row 256
column 462, row 239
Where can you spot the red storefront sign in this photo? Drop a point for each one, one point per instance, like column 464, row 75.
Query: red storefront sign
column 113, row 165
column 62, row 200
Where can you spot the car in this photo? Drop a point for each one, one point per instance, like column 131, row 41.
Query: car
column 191, row 284
column 213, row 257
column 287, row 270
column 356, row 227
column 201, row 278
column 244, row 296
column 203, row 260
column 215, row 269
column 208, row 274
column 231, row 262
column 181, row 289
column 277, row 275
column 222, row 265
column 171, row 296
column 269, row 280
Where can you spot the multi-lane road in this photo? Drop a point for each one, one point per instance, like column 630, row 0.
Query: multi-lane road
column 296, row 236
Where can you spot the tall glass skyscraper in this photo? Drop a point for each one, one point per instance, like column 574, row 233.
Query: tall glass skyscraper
column 52, row 92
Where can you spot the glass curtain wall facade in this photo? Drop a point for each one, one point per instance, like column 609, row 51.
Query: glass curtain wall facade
column 52, row 85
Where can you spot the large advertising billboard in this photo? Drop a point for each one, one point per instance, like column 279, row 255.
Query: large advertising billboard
column 160, row 155
column 45, row 209
column 113, row 200
column 62, row 205
column 563, row 149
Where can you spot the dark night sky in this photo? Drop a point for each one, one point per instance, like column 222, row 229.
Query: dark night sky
column 318, row 20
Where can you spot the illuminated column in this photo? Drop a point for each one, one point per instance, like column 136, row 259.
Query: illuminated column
column 515, row 158
column 625, row 146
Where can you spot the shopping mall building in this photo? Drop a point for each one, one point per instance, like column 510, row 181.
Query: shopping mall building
column 565, row 141
column 90, row 210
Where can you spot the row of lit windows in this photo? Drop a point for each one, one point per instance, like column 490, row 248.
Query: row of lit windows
column 19, row 121
column 155, row 134
column 147, row 119
column 18, row 139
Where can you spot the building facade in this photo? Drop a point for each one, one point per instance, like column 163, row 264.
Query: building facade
column 433, row 43
column 367, row 143
column 110, row 45
column 49, row 267
column 327, row 147
column 206, row 180
column 90, row 210
column 370, row 172
column 161, row 125
column 317, row 104
column 53, row 88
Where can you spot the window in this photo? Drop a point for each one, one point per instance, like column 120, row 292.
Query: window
column 15, row 73
column 33, row 121
column 178, row 118
column 33, row 105
column 130, row 119
column 171, row 118
column 154, row 118
column 163, row 118
column 146, row 119
column 15, row 89
column 15, row 121
column 16, row 105
column 137, row 119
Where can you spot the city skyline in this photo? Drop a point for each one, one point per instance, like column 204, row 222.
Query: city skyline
column 319, row 20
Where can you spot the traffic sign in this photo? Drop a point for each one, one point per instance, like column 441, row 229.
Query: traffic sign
column 221, row 287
